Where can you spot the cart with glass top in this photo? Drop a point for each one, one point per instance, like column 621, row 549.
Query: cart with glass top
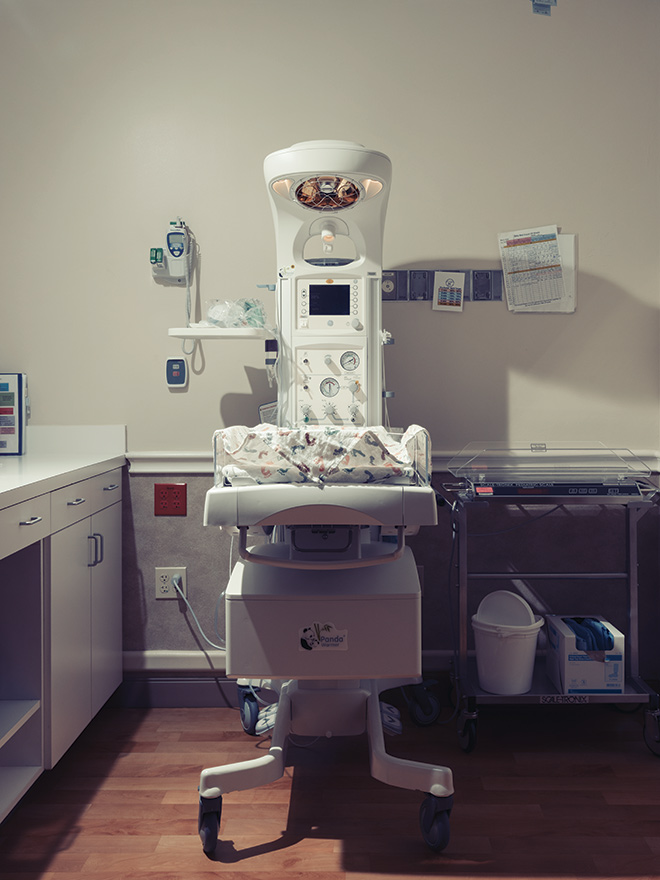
column 544, row 477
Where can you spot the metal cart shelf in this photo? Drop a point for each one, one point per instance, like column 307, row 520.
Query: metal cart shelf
column 561, row 475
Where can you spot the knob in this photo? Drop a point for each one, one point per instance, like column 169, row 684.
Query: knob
column 357, row 324
column 328, row 359
column 354, row 386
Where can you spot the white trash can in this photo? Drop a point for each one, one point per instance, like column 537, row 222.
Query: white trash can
column 505, row 651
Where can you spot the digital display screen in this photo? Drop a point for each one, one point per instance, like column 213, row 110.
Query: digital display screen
column 329, row 299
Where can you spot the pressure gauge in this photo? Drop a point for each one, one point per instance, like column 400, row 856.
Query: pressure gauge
column 349, row 360
column 329, row 387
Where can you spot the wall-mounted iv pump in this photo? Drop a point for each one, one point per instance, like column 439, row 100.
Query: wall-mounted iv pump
column 172, row 264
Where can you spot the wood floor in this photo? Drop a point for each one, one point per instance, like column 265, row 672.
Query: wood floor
column 547, row 792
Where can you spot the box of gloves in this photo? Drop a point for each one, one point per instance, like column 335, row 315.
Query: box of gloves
column 585, row 655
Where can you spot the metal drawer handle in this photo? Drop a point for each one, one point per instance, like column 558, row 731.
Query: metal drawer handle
column 31, row 522
column 111, row 487
column 75, row 502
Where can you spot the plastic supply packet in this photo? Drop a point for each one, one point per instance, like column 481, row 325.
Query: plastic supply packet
column 241, row 313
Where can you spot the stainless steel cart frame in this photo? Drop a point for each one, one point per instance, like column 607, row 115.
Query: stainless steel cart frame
column 462, row 496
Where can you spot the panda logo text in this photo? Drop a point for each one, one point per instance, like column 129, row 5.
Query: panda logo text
column 323, row 637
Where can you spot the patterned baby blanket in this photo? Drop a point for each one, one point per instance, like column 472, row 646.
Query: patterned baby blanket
column 319, row 454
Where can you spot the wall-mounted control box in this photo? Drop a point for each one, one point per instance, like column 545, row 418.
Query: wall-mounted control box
column 176, row 372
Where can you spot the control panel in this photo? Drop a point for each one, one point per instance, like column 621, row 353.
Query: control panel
column 330, row 364
column 330, row 305
column 330, row 383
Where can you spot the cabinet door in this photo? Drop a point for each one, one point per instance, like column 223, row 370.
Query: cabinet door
column 70, row 638
column 106, row 620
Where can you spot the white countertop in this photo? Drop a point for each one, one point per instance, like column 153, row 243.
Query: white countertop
column 58, row 455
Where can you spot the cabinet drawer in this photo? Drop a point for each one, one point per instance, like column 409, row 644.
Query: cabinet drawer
column 105, row 489
column 23, row 524
column 79, row 500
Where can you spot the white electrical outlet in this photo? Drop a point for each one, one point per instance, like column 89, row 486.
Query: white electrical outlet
column 165, row 588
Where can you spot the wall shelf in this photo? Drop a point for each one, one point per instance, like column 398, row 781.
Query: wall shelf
column 219, row 333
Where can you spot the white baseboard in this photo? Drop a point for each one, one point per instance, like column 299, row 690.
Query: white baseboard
column 159, row 662
column 214, row 662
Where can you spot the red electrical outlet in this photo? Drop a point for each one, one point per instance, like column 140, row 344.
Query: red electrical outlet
column 170, row 499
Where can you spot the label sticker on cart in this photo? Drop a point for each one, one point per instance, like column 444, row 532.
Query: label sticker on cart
column 323, row 637
column 566, row 699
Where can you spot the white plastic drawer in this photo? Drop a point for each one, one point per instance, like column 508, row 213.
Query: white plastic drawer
column 79, row 500
column 70, row 504
column 105, row 489
column 23, row 524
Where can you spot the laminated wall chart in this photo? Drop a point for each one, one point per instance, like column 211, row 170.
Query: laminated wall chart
column 538, row 269
column 448, row 291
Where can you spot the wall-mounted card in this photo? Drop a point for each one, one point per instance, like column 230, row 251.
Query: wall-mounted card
column 448, row 291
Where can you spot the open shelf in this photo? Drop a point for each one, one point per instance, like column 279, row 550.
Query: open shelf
column 14, row 782
column 21, row 688
column 543, row 691
column 13, row 715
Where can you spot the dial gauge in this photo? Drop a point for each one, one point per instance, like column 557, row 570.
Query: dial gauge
column 350, row 360
column 329, row 387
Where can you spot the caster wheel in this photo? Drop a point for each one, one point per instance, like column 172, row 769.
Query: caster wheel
column 208, row 825
column 249, row 714
column 627, row 708
column 467, row 735
column 652, row 732
column 425, row 713
column 434, row 824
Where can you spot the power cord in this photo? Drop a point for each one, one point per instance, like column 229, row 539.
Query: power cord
column 176, row 582
column 191, row 256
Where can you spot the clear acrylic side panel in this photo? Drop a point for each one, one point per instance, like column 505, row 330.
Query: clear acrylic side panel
column 556, row 461
column 371, row 454
column 218, row 458
column 421, row 456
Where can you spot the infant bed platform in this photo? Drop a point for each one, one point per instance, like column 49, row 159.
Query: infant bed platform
column 388, row 487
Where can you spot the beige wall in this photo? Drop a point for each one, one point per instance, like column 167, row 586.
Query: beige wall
column 118, row 116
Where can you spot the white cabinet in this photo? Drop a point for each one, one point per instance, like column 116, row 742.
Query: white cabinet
column 70, row 478
column 84, row 633
column 106, row 625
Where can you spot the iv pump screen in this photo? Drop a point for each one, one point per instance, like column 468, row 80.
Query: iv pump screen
column 176, row 243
